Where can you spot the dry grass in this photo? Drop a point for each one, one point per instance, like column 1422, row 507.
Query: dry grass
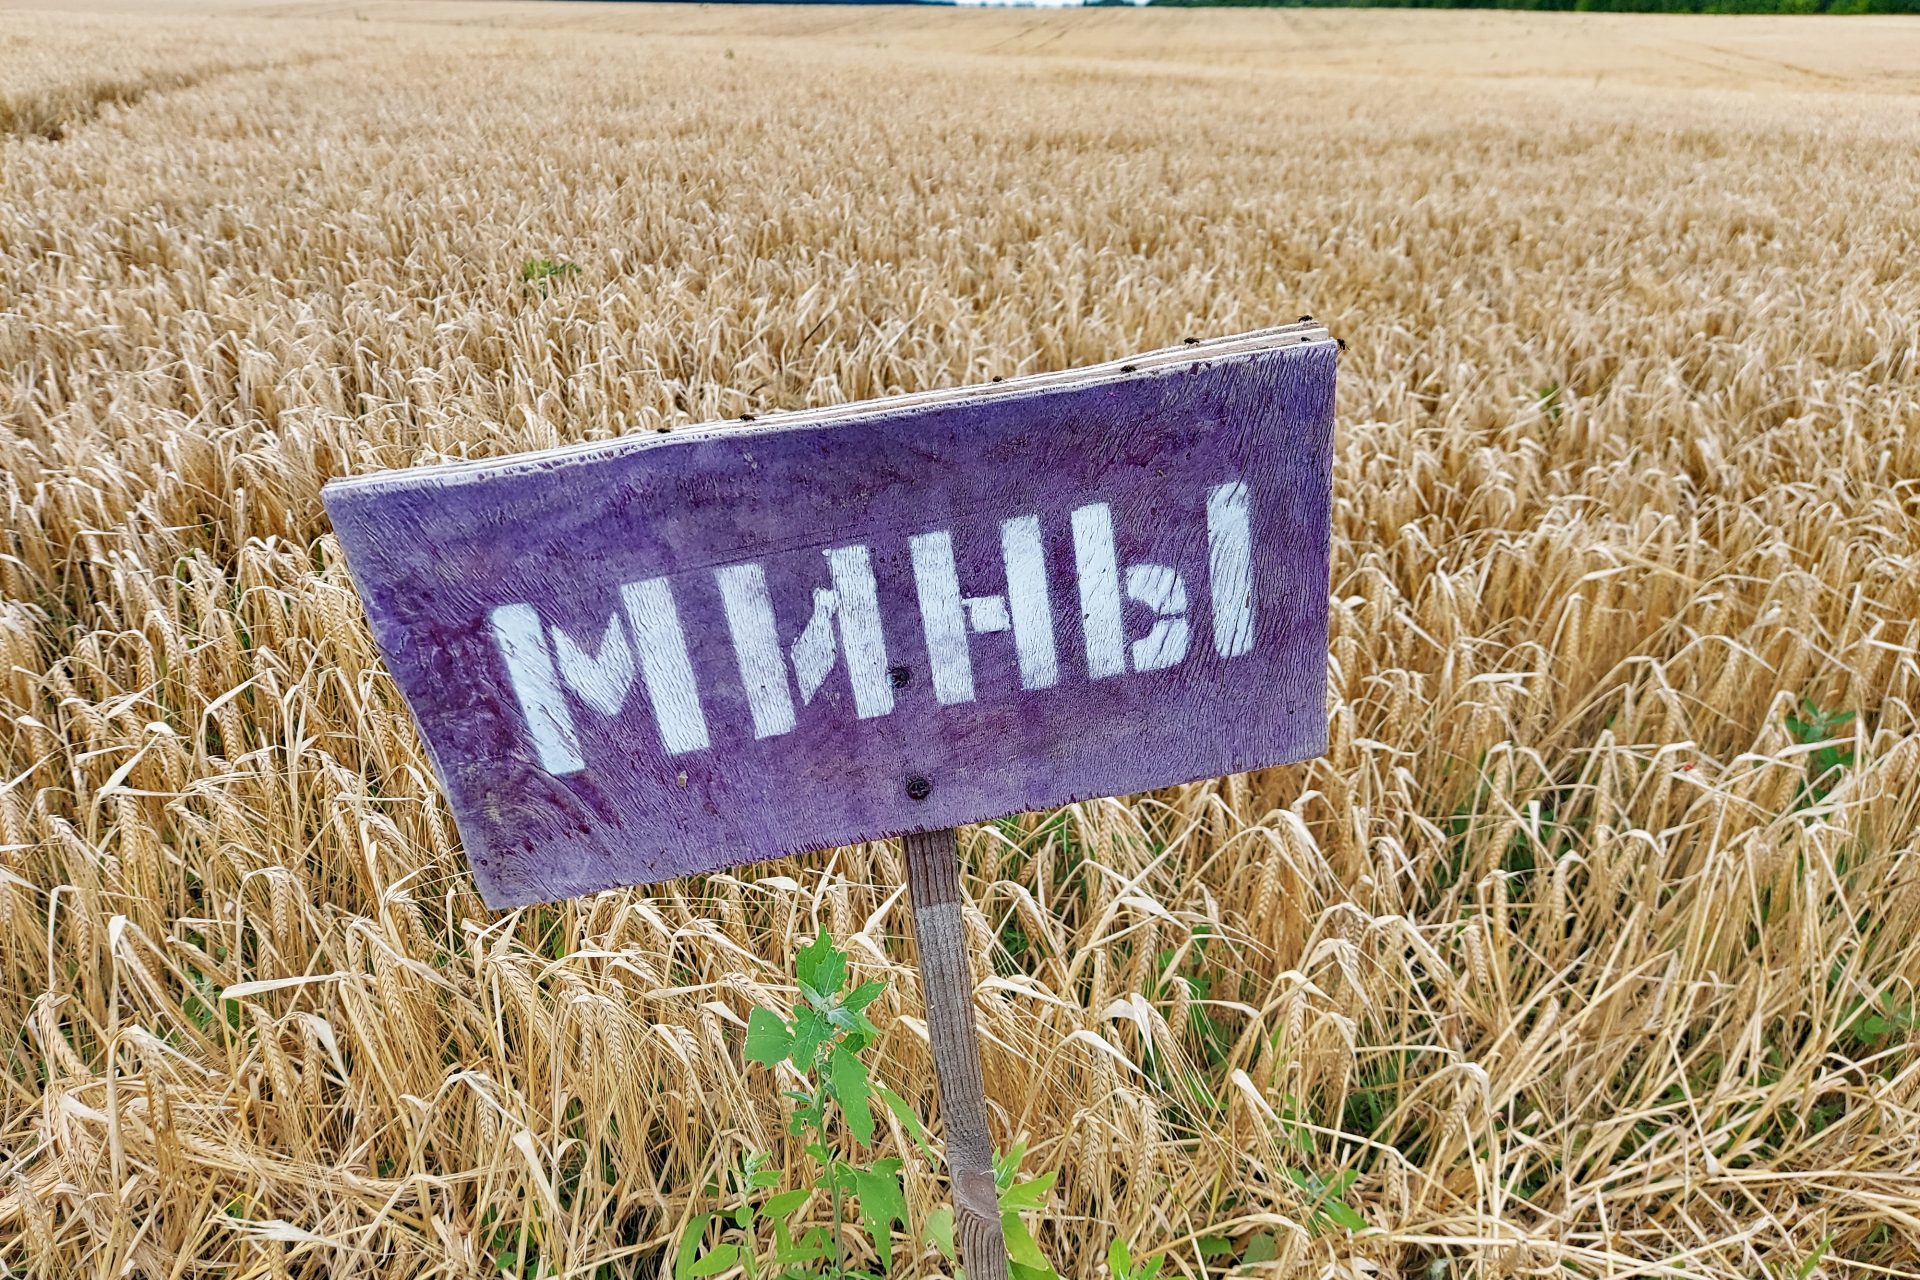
column 1556, row 948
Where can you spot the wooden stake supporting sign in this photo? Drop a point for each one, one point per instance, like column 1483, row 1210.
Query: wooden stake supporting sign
column 664, row 655
column 946, row 983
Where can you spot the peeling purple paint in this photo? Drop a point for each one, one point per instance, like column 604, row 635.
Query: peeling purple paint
column 451, row 560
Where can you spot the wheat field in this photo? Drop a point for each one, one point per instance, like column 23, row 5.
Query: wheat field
column 1589, row 949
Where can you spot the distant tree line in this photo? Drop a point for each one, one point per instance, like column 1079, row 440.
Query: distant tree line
column 1587, row 6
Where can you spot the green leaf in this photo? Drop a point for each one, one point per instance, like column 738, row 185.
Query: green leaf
column 863, row 995
column 534, row 270
column 1119, row 1261
column 1006, row 1164
column 821, row 966
column 1327, row 1205
column 882, row 1203
column 768, row 1038
column 853, row 1022
column 1342, row 1214
column 722, row 1257
column 1813, row 1260
column 940, row 1230
column 1215, row 1247
column 813, row 1245
column 908, row 1119
column 810, row 1031
column 850, row 1089
column 1021, row 1246
column 689, row 1250
column 1262, row 1248
column 786, row 1203
column 1030, row 1194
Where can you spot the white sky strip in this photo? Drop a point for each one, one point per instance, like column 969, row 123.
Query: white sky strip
column 1230, row 568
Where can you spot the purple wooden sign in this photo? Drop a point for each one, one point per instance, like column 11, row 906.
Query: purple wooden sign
column 674, row 653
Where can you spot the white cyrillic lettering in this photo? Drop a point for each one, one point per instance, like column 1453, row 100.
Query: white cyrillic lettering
column 946, row 617
column 861, row 635
column 603, row 680
column 987, row 615
column 545, row 664
column 851, row 605
column 943, row 619
column 523, row 644
column 1160, row 589
column 756, row 647
column 665, row 667
column 1154, row 585
column 1099, row 566
column 1230, row 568
column 549, row 668
column 1027, row 597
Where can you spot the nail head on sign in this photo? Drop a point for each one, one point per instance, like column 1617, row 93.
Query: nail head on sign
column 901, row 677
column 919, row 787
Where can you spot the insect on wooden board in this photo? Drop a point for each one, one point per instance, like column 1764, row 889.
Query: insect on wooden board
column 668, row 654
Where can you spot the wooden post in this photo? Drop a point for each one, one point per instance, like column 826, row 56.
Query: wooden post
column 946, row 983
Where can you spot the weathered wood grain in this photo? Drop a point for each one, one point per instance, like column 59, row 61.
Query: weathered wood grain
column 666, row 655
column 946, row 984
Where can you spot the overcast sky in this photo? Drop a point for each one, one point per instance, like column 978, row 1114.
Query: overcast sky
column 1032, row 4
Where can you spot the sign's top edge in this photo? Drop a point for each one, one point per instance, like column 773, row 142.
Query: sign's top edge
column 1304, row 333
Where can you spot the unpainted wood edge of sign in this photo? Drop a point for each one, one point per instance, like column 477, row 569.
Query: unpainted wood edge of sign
column 1304, row 333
